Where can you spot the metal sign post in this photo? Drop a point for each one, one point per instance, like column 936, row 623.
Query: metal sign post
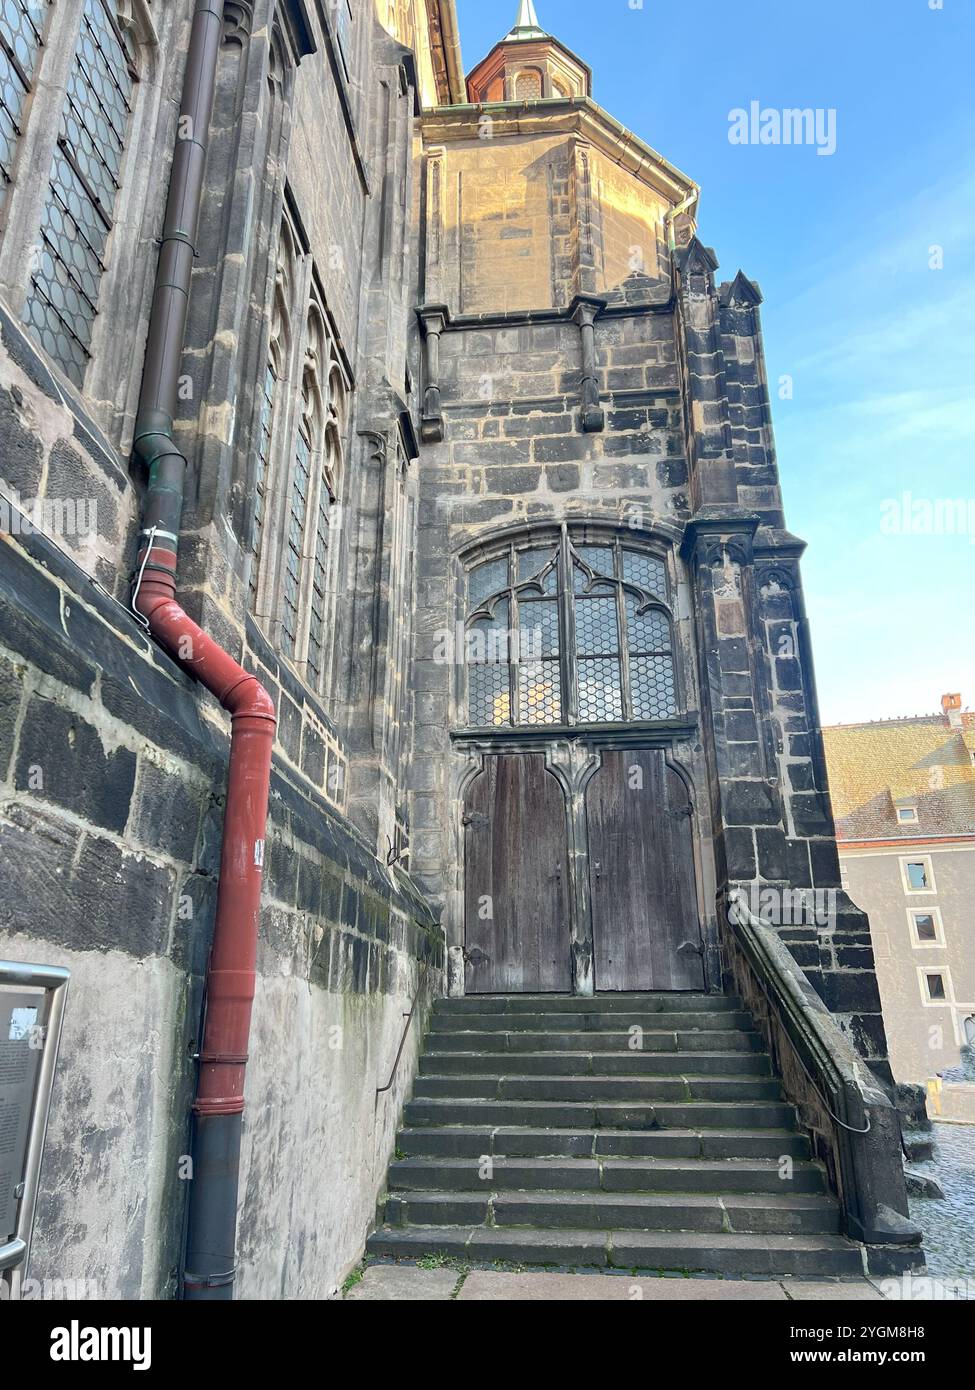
column 32, row 1000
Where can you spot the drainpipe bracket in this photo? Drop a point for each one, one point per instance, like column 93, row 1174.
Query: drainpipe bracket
column 209, row 1281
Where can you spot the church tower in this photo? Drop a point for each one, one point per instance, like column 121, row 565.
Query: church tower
column 529, row 64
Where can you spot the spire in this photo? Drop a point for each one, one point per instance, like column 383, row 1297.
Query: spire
column 527, row 25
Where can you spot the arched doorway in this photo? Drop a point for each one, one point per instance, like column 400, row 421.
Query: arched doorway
column 578, row 825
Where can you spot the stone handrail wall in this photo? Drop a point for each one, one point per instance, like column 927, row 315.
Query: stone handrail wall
column 853, row 1124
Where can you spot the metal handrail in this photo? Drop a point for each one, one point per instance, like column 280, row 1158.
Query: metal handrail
column 381, row 1090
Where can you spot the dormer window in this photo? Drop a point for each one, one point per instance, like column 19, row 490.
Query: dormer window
column 907, row 815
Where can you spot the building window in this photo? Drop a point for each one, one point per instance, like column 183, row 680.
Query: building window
column 927, row 928
column 312, row 521
column 21, row 37
column 276, row 373
column 84, row 182
column 297, row 517
column 264, row 436
column 528, row 85
column 907, row 815
column 569, row 633
column 326, row 523
column 918, row 875
column 935, row 986
column 342, row 15
column 970, row 1031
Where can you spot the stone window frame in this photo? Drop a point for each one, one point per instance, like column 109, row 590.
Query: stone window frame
column 569, row 536
column 529, row 71
column 925, row 859
column 313, row 404
column 939, row 927
column 929, row 1001
column 123, row 285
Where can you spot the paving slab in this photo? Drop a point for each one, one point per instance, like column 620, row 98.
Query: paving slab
column 486, row 1286
column 404, row 1284
column 809, row 1290
column 407, row 1283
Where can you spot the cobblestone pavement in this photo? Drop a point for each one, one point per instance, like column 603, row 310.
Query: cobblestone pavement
column 949, row 1226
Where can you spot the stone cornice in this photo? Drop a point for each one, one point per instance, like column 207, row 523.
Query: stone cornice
column 574, row 116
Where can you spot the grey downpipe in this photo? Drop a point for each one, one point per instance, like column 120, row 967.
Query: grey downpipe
column 211, row 1224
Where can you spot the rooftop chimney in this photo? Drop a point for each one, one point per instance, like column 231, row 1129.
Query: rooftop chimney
column 951, row 707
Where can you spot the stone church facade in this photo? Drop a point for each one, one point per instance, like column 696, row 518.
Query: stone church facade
column 481, row 485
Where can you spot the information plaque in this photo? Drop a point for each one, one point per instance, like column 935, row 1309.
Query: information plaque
column 32, row 999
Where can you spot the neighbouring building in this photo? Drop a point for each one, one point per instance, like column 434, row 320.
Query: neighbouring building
column 903, row 794
column 481, row 484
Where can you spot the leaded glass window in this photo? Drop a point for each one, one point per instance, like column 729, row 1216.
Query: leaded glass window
column 264, row 434
column 569, row 633
column 528, row 85
column 323, row 546
column 312, row 522
column 84, row 183
column 21, row 31
column 271, row 405
column 298, row 510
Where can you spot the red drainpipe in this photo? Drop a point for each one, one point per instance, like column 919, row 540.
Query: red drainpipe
column 209, row 1262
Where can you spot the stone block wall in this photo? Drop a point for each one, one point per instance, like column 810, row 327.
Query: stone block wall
column 110, row 823
column 113, row 762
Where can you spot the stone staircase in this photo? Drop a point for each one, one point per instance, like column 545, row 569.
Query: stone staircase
column 634, row 1131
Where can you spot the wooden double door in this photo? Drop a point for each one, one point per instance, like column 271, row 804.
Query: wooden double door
column 574, row 887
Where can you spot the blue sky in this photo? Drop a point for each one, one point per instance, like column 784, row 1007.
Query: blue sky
column 880, row 346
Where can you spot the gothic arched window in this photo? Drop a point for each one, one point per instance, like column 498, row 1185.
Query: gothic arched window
column 85, row 178
column 569, row 631
column 330, row 467
column 275, row 370
column 308, row 445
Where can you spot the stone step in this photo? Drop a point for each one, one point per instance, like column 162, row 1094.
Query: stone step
column 636, row 1089
column 472, row 1142
column 595, row 1004
column 686, row 1040
column 606, row 1175
column 822, row 1256
column 702, row 1020
column 782, row 1214
column 732, row 1064
column 603, row 1115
